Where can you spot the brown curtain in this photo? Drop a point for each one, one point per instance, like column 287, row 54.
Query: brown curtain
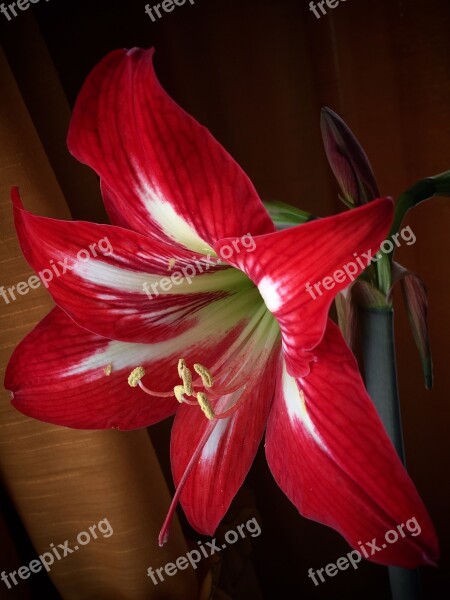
column 63, row 481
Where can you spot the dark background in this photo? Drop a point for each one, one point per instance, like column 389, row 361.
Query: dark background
column 256, row 73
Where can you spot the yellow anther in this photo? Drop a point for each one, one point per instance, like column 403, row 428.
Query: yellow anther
column 178, row 390
column 135, row 376
column 187, row 382
column 172, row 262
column 108, row 370
column 207, row 378
column 186, row 376
column 202, row 399
column 181, row 366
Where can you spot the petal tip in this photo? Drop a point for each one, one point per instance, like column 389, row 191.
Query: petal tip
column 137, row 52
column 15, row 198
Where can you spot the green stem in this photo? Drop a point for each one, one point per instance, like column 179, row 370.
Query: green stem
column 439, row 185
column 381, row 382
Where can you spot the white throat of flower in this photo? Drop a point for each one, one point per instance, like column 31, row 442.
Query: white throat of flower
column 206, row 388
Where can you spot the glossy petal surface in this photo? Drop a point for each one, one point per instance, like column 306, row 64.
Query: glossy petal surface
column 287, row 265
column 330, row 454
column 162, row 172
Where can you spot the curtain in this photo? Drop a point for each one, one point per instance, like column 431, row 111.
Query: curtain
column 63, row 481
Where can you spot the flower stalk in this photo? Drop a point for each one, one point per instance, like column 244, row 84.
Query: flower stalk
column 378, row 347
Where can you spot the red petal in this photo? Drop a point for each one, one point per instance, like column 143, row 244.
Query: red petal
column 162, row 172
column 284, row 263
column 223, row 458
column 106, row 294
column 331, row 456
column 57, row 374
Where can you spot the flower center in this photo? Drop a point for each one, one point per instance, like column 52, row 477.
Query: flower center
column 201, row 389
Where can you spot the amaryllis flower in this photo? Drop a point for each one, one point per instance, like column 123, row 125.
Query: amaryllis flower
column 237, row 347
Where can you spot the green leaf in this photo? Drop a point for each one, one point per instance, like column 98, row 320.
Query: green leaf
column 383, row 267
column 439, row 185
column 284, row 215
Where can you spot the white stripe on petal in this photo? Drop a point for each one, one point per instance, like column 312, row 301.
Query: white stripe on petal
column 170, row 222
column 213, row 320
column 124, row 280
column 210, row 449
column 269, row 291
column 296, row 407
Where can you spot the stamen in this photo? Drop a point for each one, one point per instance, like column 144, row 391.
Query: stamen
column 108, row 370
column 178, row 390
column 186, row 376
column 134, row 380
column 181, row 366
column 153, row 393
column 207, row 378
column 202, row 399
column 172, row 262
column 187, row 382
column 135, row 376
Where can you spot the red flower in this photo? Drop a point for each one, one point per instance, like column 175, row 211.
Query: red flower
column 177, row 198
